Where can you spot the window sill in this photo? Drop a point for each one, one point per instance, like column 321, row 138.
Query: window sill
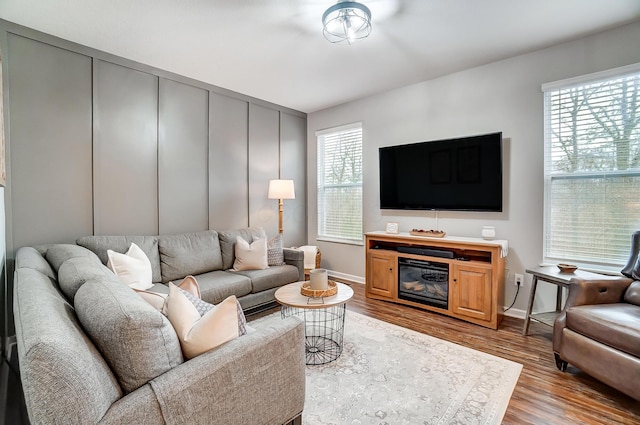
column 342, row 241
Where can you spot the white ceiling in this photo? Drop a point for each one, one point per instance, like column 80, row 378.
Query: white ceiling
column 274, row 49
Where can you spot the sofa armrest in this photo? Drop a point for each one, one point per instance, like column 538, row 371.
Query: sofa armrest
column 258, row 378
column 608, row 290
column 295, row 257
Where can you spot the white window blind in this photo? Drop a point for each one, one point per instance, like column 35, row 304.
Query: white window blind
column 340, row 184
column 592, row 169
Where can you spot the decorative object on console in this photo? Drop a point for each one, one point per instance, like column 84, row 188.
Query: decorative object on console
column 392, row 227
column 428, row 233
column 488, row 232
column 280, row 190
column 346, row 22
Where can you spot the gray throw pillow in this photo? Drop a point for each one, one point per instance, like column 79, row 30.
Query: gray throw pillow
column 75, row 272
column 136, row 340
column 275, row 253
column 58, row 254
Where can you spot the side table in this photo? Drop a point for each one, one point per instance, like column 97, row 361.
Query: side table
column 323, row 318
column 553, row 275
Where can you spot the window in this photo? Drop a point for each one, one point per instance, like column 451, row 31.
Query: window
column 340, row 184
column 592, row 167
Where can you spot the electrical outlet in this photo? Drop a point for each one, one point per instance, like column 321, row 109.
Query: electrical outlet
column 518, row 280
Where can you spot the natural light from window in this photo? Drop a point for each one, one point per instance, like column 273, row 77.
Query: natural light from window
column 592, row 168
column 340, row 184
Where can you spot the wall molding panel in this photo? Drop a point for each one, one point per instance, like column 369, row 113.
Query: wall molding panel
column 98, row 144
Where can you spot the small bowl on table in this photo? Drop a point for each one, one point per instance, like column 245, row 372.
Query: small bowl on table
column 567, row 268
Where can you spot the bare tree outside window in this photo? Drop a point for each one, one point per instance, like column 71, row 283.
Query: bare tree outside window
column 592, row 170
column 340, row 185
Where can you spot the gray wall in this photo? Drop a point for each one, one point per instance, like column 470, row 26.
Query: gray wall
column 98, row 144
column 502, row 96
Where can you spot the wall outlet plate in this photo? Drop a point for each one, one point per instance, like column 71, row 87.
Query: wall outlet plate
column 518, row 280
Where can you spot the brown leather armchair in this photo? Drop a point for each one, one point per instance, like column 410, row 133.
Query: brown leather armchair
column 599, row 328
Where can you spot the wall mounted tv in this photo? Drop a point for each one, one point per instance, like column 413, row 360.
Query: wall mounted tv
column 462, row 174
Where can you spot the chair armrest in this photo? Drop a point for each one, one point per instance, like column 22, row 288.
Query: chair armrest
column 608, row 290
column 596, row 291
column 258, row 378
column 295, row 257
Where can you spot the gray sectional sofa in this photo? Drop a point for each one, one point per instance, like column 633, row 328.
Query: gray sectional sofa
column 91, row 350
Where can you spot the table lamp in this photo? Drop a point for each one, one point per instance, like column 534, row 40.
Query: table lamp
column 280, row 190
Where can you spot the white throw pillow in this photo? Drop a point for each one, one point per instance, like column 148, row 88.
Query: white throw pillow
column 197, row 334
column 250, row 256
column 132, row 268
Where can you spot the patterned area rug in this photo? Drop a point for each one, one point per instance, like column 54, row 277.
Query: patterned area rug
column 390, row 375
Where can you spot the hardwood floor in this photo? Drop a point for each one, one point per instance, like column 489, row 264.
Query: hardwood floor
column 543, row 395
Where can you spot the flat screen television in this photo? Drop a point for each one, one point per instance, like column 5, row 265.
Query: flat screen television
column 462, row 174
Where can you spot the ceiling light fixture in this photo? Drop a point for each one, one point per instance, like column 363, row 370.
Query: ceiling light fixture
column 346, row 22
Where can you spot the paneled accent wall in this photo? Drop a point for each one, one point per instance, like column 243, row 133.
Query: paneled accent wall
column 183, row 163
column 229, row 157
column 292, row 153
column 264, row 157
column 125, row 150
column 48, row 135
column 98, row 144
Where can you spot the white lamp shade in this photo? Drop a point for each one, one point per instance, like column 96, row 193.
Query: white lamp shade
column 281, row 189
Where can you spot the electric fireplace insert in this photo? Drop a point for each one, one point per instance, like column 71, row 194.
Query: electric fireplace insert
column 425, row 282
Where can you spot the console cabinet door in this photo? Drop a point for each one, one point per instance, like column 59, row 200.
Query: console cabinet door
column 471, row 291
column 381, row 274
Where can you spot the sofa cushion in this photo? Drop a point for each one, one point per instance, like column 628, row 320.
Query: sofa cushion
column 250, row 256
column 75, row 272
column 228, row 242
column 199, row 334
column 218, row 285
column 189, row 254
column 58, row 362
column 31, row 258
column 132, row 268
column 272, row 277
column 615, row 325
column 100, row 245
column 136, row 340
column 275, row 252
column 58, row 254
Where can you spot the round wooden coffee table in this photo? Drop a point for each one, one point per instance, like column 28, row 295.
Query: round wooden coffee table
column 323, row 318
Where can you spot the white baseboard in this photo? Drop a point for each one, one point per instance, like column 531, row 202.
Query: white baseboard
column 349, row 277
column 516, row 312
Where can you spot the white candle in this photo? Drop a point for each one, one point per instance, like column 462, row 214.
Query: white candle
column 319, row 279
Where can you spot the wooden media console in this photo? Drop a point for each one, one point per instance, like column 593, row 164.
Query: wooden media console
column 476, row 273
